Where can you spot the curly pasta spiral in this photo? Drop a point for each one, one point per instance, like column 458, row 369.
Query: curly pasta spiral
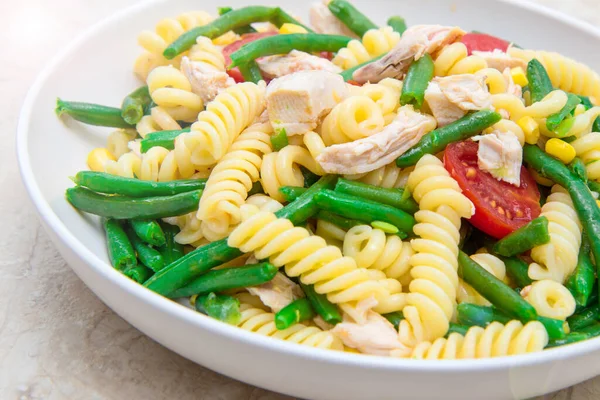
column 454, row 59
column 388, row 176
column 191, row 229
column 117, row 143
column 157, row 164
column 171, row 90
column 557, row 259
column 206, row 52
column 493, row 265
column 496, row 340
column 550, row 299
column 565, row 73
column 231, row 180
column 333, row 234
column 588, row 149
column 355, row 118
column 432, row 292
column 374, row 43
column 158, row 120
column 581, row 124
column 551, row 104
column 372, row 248
column 223, row 120
column 386, row 94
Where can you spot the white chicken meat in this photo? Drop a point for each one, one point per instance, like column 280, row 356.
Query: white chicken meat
column 295, row 61
column 500, row 154
column 278, row 292
column 206, row 80
column 500, row 60
column 323, row 21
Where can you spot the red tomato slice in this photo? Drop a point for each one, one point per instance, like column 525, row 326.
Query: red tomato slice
column 500, row 208
column 484, row 42
column 227, row 50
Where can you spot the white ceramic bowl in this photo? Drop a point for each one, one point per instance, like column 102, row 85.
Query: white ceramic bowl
column 97, row 68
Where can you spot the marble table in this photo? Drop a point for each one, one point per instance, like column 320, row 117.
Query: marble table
column 57, row 340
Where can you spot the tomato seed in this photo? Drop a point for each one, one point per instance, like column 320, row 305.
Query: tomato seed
column 501, row 210
column 471, row 172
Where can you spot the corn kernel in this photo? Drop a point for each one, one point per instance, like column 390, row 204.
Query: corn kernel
column 561, row 150
column 580, row 109
column 598, row 203
column 519, row 76
column 97, row 159
column 531, row 129
column 291, row 28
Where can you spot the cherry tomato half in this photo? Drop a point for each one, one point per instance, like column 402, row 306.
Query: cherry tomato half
column 483, row 42
column 233, row 47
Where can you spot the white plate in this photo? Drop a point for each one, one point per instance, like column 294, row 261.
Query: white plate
column 97, row 68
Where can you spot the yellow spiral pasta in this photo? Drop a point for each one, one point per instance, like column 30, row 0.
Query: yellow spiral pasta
column 282, row 168
column 565, row 73
column 158, row 120
column 454, row 59
column 118, row 141
column 386, row 94
column 550, row 299
column 588, row 149
column 388, row 176
column 157, row 164
column 557, row 259
column 549, row 105
column 355, row 118
column 494, row 79
column 333, row 234
column 581, row 124
column 493, row 265
column 496, row 340
column 206, row 52
column 220, row 124
column 171, row 90
column 372, row 248
column 374, row 42
column 190, row 229
column 432, row 292
column 231, row 180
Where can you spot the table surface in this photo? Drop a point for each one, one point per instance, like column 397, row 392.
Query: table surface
column 57, row 340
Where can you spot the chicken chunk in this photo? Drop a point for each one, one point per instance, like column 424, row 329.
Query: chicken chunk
column 511, row 86
column 414, row 43
column 278, row 292
column 323, row 21
column 370, row 153
column 299, row 101
column 206, row 80
column 295, row 61
column 500, row 60
column 450, row 97
column 501, row 155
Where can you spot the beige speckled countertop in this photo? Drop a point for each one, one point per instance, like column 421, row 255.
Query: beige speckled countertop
column 57, row 340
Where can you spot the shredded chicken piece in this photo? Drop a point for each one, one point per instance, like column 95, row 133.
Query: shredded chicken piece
column 414, row 43
column 297, row 102
column 295, row 61
column 501, row 155
column 278, row 292
column 323, row 21
column 207, row 81
column 380, row 149
column 500, row 60
column 511, row 86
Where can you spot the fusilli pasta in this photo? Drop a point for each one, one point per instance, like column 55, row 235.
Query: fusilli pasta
column 171, row 90
column 493, row 265
column 550, row 299
column 454, row 59
column 374, row 43
column 587, row 148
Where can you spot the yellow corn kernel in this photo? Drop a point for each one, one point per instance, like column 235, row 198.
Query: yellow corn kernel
column 598, row 203
column 540, row 179
column 519, row 76
column 291, row 28
column 561, row 150
column 531, row 129
column 580, row 109
column 97, row 159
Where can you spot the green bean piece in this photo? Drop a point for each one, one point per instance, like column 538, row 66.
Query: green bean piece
column 593, row 297
column 584, row 318
column 291, row 193
column 242, row 30
column 122, row 207
column 539, row 81
column 148, row 256
column 570, row 338
column 310, row 178
column 397, row 23
column 399, row 198
column 437, row 140
column 578, row 168
column 534, row 233
column 356, row 21
column 138, row 273
column 517, row 270
column 339, row 221
column 457, row 328
column 593, row 185
column 279, row 140
column 120, row 249
column 494, row 290
column 394, row 318
column 283, row 44
column 417, row 78
column 102, row 182
column 554, row 327
column 134, row 104
column 149, row 231
column 582, row 280
column 164, row 139
column 232, row 20
column 295, row 312
column 251, row 72
column 92, row 114
column 322, row 306
column 596, row 125
column 256, row 188
column 348, row 73
column 554, row 120
column 281, row 17
column 592, row 330
column 587, row 103
column 228, row 278
column 221, row 307
column 171, row 250
column 202, row 259
column 363, row 210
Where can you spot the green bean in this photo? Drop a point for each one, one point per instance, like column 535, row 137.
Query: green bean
column 569, row 339
column 339, row 221
column 397, row 23
column 242, row 29
column 593, row 185
column 279, row 140
column 554, row 120
column 581, row 282
column 517, row 270
column 417, row 78
column 112, row 184
column 348, row 73
column 164, row 139
column 584, row 318
column 534, row 233
column 457, row 328
column 587, row 103
column 356, row 21
column 121, row 207
column 221, row 307
column 494, row 290
column 596, row 125
column 578, row 168
column 228, row 278
column 250, row 71
column 138, row 273
column 363, row 210
column 92, row 114
column 399, row 198
column 592, row 330
column 539, row 81
column 171, row 250
column 120, row 250
column 326, row 309
column 291, row 193
column 437, row 140
column 134, row 104
column 281, row 17
column 283, row 44
column 148, row 256
column 149, row 231
column 394, row 318
column 202, row 259
column 310, row 178
column 295, row 312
